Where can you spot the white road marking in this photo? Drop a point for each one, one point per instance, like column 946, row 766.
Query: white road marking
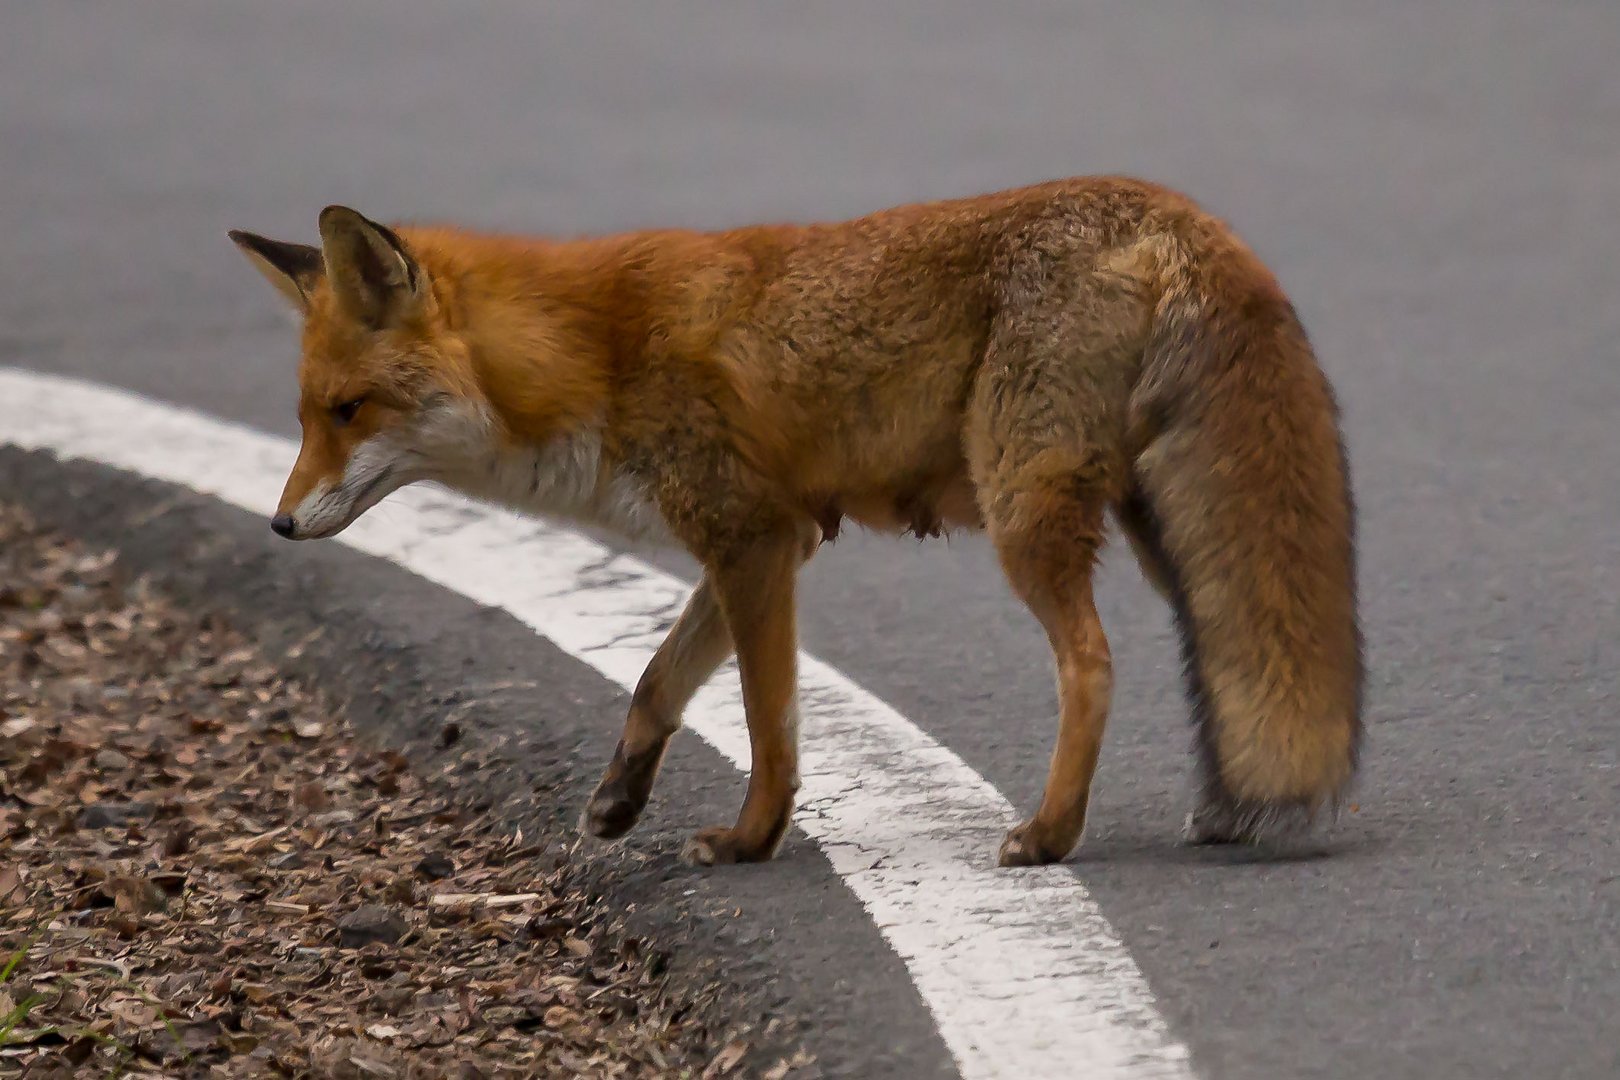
column 1024, row 976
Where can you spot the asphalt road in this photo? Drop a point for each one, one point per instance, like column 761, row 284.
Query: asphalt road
column 1438, row 186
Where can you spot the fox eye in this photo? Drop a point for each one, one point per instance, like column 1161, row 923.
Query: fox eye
column 344, row 411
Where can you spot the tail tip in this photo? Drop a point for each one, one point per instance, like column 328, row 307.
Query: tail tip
column 1221, row 819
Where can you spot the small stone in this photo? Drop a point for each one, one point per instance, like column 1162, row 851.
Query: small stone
column 435, row 866
column 370, row 923
column 110, row 759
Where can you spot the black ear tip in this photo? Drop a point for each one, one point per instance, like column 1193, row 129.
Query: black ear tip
column 240, row 238
column 336, row 213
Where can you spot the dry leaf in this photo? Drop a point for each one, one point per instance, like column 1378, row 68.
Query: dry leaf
column 184, row 864
column 18, row 726
column 470, row 900
column 726, row 1060
column 10, row 883
column 312, row 796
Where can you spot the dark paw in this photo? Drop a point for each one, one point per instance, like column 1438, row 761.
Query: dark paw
column 618, row 801
column 608, row 817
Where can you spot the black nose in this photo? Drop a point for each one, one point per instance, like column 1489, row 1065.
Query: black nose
column 282, row 525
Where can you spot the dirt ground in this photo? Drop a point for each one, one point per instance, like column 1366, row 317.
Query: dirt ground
column 203, row 872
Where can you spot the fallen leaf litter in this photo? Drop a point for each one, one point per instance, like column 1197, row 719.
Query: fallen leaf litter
column 203, row 872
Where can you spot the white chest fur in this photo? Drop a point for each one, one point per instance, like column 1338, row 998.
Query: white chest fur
column 567, row 478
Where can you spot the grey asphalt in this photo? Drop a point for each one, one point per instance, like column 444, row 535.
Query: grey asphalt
column 1437, row 185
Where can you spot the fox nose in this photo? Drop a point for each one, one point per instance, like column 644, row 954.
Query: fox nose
column 282, row 525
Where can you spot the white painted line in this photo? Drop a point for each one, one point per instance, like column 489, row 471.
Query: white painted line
column 1024, row 976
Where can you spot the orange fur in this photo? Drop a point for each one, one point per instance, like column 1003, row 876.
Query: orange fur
column 1022, row 362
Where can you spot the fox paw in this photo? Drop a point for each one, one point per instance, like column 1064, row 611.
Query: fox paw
column 720, row 846
column 607, row 817
column 622, row 794
column 1024, row 847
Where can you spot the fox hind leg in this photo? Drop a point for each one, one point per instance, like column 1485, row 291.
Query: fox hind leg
column 755, row 587
column 1045, row 446
column 1047, row 550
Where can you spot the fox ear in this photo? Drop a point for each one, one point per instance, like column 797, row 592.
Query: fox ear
column 294, row 269
column 373, row 275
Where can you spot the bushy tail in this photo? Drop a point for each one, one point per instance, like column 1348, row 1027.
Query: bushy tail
column 1241, row 510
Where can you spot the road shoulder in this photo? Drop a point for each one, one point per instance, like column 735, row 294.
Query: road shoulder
column 404, row 658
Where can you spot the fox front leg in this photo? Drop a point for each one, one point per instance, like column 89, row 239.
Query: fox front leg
column 696, row 645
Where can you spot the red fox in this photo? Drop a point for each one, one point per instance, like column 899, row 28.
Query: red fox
column 1022, row 362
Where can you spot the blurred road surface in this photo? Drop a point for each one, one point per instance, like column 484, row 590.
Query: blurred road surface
column 1438, row 186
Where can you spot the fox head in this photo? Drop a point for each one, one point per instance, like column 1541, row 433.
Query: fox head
column 386, row 392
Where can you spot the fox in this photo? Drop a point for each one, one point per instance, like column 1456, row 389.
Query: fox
column 1029, row 363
